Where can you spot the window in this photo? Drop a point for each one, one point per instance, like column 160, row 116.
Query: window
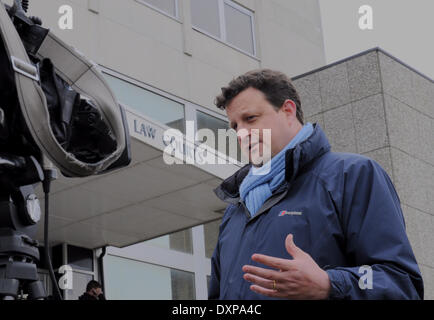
column 79, row 283
column 205, row 121
column 127, row 279
column 153, row 105
column 211, row 233
column 183, row 287
column 204, row 15
column 239, row 28
column 169, row 7
column 226, row 21
column 179, row 241
column 80, row 258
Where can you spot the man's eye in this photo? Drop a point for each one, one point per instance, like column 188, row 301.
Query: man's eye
column 250, row 118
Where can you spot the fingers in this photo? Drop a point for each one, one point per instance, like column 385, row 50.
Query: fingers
column 267, row 292
column 277, row 263
column 263, row 273
column 273, row 284
column 264, row 286
column 269, row 284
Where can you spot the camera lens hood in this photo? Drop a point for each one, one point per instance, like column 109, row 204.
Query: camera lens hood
column 80, row 74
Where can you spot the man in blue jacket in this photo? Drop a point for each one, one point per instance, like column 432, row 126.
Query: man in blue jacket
column 316, row 224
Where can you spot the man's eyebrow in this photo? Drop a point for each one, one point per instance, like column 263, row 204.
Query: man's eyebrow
column 242, row 116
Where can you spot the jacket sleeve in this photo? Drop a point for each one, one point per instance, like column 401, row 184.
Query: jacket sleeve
column 381, row 261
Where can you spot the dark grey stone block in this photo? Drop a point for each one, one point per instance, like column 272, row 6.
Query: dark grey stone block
column 419, row 226
column 384, row 158
column 364, row 76
column 310, row 96
column 414, row 181
column 406, row 85
column 339, row 128
column 409, row 129
column 370, row 123
column 334, row 86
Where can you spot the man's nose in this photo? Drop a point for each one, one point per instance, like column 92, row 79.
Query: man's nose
column 243, row 134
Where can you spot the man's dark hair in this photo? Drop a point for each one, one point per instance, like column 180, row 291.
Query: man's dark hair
column 276, row 86
column 92, row 284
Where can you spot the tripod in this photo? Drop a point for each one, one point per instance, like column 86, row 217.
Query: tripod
column 19, row 214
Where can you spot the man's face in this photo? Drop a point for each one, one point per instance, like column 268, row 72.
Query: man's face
column 96, row 292
column 251, row 110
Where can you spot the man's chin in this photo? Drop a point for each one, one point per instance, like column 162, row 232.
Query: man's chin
column 257, row 159
column 258, row 162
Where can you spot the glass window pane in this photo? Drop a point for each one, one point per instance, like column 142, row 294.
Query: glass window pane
column 205, row 121
column 150, row 104
column 178, row 241
column 168, row 6
column 205, row 16
column 181, row 241
column 162, row 242
column 239, row 29
column 79, row 283
column 183, row 287
column 211, row 232
column 80, row 258
column 127, row 279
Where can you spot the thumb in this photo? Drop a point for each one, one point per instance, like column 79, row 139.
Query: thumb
column 292, row 249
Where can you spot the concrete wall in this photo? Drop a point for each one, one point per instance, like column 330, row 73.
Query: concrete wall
column 376, row 106
column 140, row 42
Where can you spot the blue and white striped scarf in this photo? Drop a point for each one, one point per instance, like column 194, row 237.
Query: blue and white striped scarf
column 259, row 184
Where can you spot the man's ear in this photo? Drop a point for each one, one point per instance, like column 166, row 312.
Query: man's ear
column 289, row 108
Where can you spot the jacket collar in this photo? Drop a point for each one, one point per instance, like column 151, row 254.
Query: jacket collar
column 296, row 159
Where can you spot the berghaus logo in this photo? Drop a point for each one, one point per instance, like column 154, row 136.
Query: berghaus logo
column 290, row 213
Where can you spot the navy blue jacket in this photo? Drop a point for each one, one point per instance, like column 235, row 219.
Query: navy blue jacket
column 350, row 217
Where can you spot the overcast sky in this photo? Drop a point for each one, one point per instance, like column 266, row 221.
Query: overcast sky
column 403, row 28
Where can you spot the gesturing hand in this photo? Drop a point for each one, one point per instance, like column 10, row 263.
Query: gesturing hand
column 300, row 278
